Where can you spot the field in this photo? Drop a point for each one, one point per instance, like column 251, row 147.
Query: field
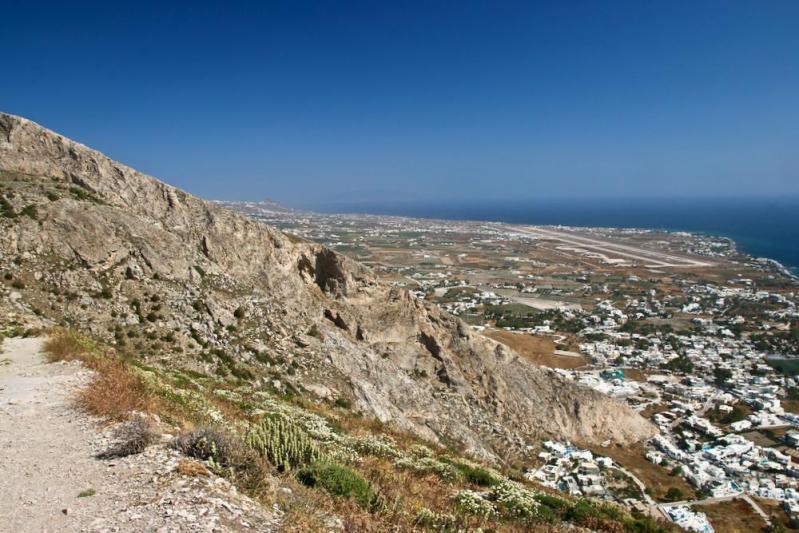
column 655, row 477
column 536, row 349
column 734, row 516
column 775, row 511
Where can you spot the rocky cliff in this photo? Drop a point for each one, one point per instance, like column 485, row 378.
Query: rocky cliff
column 174, row 280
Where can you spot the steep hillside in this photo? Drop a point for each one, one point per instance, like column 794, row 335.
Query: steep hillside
column 179, row 282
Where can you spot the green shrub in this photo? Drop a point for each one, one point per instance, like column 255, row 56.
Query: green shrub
column 674, row 494
column 283, row 443
column 555, row 503
column 474, row 474
column 263, row 357
column 81, row 194
column 30, row 211
column 6, row 209
column 339, row 481
column 241, row 372
column 583, row 511
column 313, row 331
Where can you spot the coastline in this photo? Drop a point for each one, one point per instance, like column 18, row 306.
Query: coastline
column 762, row 229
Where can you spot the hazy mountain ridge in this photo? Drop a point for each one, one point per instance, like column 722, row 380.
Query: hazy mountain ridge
column 126, row 253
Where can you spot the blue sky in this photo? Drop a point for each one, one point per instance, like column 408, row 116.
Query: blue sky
column 314, row 103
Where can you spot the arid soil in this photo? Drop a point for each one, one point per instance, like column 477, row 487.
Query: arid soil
column 536, row 349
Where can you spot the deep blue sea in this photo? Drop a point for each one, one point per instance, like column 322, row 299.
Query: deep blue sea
column 761, row 227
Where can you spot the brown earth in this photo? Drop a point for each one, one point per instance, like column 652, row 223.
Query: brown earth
column 733, row 516
column 536, row 349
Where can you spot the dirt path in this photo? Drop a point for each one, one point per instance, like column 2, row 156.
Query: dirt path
column 47, row 458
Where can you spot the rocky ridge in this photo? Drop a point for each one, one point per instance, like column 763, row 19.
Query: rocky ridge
column 178, row 281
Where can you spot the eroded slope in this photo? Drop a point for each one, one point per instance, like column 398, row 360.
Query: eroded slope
column 175, row 280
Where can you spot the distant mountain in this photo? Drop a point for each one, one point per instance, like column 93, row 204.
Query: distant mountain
column 177, row 281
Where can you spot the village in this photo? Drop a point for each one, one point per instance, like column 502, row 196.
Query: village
column 699, row 338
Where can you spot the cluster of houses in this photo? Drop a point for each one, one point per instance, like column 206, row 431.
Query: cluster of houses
column 727, row 377
column 572, row 470
column 689, row 520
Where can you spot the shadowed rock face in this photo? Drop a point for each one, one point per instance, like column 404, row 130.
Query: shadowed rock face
column 111, row 235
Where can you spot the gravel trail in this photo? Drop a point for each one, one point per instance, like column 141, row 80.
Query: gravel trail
column 47, row 458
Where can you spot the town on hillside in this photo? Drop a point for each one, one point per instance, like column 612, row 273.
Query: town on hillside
column 698, row 337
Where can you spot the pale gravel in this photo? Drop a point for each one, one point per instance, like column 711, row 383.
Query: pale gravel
column 47, row 457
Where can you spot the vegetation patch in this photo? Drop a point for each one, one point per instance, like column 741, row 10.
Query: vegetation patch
column 208, row 444
column 115, row 392
column 133, row 438
column 283, row 443
column 339, row 481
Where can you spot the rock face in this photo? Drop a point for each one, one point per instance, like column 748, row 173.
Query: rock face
column 175, row 280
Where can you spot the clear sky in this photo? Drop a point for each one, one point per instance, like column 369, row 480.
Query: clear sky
column 322, row 102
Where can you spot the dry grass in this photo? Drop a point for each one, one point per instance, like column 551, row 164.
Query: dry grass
column 734, row 516
column 536, row 349
column 636, row 374
column 65, row 345
column 114, row 392
column 774, row 510
column 191, row 469
column 652, row 410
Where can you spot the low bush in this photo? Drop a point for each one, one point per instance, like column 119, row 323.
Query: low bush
column 30, row 211
column 473, row 503
column 339, row 481
column 429, row 465
column 283, row 443
column 208, row 444
column 435, row 521
column 133, row 438
column 515, row 501
column 473, row 474
column 6, row 209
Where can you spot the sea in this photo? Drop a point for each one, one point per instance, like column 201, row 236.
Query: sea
column 761, row 227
